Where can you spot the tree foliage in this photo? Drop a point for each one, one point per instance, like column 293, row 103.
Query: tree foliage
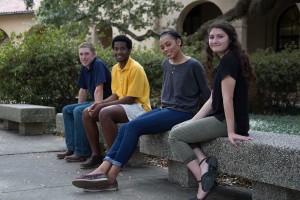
column 125, row 15
column 39, row 68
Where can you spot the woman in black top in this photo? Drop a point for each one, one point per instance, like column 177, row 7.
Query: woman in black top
column 224, row 114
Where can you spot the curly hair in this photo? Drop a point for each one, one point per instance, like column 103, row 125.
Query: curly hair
column 234, row 46
column 122, row 38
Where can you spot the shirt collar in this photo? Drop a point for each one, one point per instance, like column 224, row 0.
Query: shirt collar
column 127, row 66
column 92, row 65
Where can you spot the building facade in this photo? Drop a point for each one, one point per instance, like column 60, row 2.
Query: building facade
column 274, row 29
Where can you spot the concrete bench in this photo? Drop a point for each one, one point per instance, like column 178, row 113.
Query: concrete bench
column 28, row 119
column 136, row 159
column 271, row 161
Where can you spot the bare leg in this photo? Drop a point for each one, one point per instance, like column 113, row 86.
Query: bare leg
column 113, row 173
column 200, row 155
column 92, row 132
column 198, row 171
column 104, row 168
column 109, row 117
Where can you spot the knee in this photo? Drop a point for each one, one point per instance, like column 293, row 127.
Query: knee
column 85, row 115
column 109, row 114
column 104, row 114
column 77, row 113
column 173, row 136
column 66, row 110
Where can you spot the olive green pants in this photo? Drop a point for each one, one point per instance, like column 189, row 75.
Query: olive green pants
column 184, row 136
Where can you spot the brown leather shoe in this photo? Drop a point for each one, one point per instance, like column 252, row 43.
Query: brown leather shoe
column 66, row 153
column 91, row 162
column 75, row 158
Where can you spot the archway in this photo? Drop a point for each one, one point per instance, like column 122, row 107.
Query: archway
column 198, row 15
column 102, row 35
column 288, row 28
column 3, row 37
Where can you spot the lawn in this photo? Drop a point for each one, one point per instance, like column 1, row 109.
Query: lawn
column 289, row 124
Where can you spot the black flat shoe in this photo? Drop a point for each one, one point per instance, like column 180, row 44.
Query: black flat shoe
column 208, row 179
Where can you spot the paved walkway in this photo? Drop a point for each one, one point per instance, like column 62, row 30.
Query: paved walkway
column 29, row 170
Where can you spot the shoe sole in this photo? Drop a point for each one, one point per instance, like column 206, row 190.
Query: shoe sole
column 81, row 160
column 88, row 184
column 95, row 190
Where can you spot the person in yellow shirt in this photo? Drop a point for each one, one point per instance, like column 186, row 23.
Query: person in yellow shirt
column 129, row 99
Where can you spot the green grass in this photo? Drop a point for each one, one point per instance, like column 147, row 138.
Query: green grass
column 288, row 124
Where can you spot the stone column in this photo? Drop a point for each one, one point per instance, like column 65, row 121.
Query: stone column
column 241, row 30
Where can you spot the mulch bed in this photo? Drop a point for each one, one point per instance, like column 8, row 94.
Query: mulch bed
column 223, row 179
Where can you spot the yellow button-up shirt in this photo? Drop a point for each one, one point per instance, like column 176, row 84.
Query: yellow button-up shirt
column 131, row 81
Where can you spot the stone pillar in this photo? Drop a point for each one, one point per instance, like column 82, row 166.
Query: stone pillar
column 10, row 125
column 241, row 30
column 180, row 174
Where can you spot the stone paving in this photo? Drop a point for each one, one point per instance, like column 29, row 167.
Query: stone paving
column 30, row 170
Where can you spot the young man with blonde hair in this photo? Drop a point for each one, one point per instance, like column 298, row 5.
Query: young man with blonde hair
column 95, row 79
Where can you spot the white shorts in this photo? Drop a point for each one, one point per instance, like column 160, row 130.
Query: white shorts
column 133, row 110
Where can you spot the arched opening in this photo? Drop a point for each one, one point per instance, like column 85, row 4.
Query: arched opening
column 3, row 37
column 288, row 29
column 198, row 16
column 103, row 35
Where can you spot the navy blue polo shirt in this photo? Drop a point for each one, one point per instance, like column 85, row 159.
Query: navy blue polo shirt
column 91, row 77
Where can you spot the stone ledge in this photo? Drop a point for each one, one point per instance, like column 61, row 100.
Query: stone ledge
column 26, row 113
column 28, row 119
column 272, row 159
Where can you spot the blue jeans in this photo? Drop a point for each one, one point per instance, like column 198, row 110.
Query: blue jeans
column 152, row 122
column 76, row 139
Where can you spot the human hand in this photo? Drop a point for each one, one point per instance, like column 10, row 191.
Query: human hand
column 94, row 109
column 232, row 137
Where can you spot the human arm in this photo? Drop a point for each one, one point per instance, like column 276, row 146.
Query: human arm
column 82, row 95
column 228, row 85
column 98, row 94
column 111, row 100
column 206, row 108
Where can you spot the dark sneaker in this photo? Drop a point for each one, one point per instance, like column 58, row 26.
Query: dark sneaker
column 104, row 187
column 92, row 162
column 89, row 181
column 66, row 153
column 75, row 158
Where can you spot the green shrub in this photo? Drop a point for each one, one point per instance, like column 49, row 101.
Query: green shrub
column 277, row 80
column 40, row 68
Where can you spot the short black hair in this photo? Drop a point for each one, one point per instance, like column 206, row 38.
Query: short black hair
column 122, row 38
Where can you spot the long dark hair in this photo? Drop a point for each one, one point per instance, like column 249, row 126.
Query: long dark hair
column 234, row 46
